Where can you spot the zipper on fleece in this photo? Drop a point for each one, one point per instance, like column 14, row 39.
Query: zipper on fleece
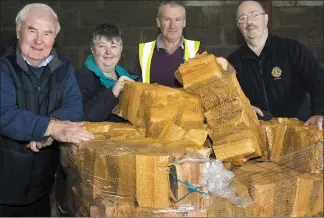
column 263, row 86
column 37, row 95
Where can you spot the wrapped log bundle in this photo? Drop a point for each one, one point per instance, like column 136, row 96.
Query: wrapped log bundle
column 294, row 145
column 160, row 110
column 235, row 129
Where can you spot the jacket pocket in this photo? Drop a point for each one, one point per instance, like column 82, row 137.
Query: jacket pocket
column 46, row 163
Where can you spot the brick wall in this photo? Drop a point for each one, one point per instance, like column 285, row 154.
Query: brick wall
column 302, row 21
column 212, row 22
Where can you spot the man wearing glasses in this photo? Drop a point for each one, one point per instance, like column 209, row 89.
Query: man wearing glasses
column 277, row 73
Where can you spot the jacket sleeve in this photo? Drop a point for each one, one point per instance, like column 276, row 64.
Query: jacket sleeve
column 306, row 64
column 17, row 124
column 71, row 108
column 98, row 104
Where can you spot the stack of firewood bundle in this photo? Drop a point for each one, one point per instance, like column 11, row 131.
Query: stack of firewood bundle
column 156, row 164
column 232, row 121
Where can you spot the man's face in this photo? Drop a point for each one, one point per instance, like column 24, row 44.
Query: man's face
column 171, row 22
column 36, row 35
column 251, row 20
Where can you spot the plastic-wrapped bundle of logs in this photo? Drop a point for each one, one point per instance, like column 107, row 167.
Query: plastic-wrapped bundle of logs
column 235, row 129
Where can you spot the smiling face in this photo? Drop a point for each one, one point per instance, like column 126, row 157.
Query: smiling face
column 106, row 53
column 171, row 21
column 254, row 20
column 36, row 35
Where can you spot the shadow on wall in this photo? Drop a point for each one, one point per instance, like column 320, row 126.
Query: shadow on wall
column 8, row 39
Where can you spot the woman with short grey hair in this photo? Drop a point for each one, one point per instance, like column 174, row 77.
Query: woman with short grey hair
column 101, row 79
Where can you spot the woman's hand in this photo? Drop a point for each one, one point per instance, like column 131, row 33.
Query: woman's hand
column 119, row 86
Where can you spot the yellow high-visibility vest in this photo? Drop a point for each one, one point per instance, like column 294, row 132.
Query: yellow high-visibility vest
column 146, row 52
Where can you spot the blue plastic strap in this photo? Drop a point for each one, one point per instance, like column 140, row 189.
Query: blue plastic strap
column 191, row 188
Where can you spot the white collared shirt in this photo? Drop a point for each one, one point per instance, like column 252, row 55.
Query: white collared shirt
column 44, row 62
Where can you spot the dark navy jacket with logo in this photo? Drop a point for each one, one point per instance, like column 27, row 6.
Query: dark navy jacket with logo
column 30, row 97
column 280, row 78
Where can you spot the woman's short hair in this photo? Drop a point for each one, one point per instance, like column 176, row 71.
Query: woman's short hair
column 108, row 31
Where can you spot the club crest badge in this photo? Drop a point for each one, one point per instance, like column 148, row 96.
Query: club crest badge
column 276, row 73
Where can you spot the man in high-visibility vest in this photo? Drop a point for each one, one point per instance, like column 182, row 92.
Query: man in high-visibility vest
column 159, row 59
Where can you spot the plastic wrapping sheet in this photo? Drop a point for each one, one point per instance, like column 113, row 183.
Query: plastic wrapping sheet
column 189, row 147
column 171, row 133
column 275, row 191
column 292, row 144
column 160, row 110
column 118, row 173
column 120, row 178
column 108, row 130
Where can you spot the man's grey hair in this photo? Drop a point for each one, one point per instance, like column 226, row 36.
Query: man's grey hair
column 172, row 4
column 21, row 16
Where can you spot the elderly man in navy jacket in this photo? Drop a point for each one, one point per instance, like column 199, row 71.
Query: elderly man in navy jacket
column 39, row 100
column 277, row 73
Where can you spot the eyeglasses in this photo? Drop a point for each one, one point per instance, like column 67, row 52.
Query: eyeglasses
column 254, row 16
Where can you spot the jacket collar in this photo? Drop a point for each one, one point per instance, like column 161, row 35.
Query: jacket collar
column 271, row 42
column 53, row 64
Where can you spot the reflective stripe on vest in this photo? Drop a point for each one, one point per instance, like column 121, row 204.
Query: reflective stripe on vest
column 191, row 48
column 146, row 52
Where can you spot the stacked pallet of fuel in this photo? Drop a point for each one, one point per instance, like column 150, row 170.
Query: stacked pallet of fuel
column 156, row 165
column 124, row 173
